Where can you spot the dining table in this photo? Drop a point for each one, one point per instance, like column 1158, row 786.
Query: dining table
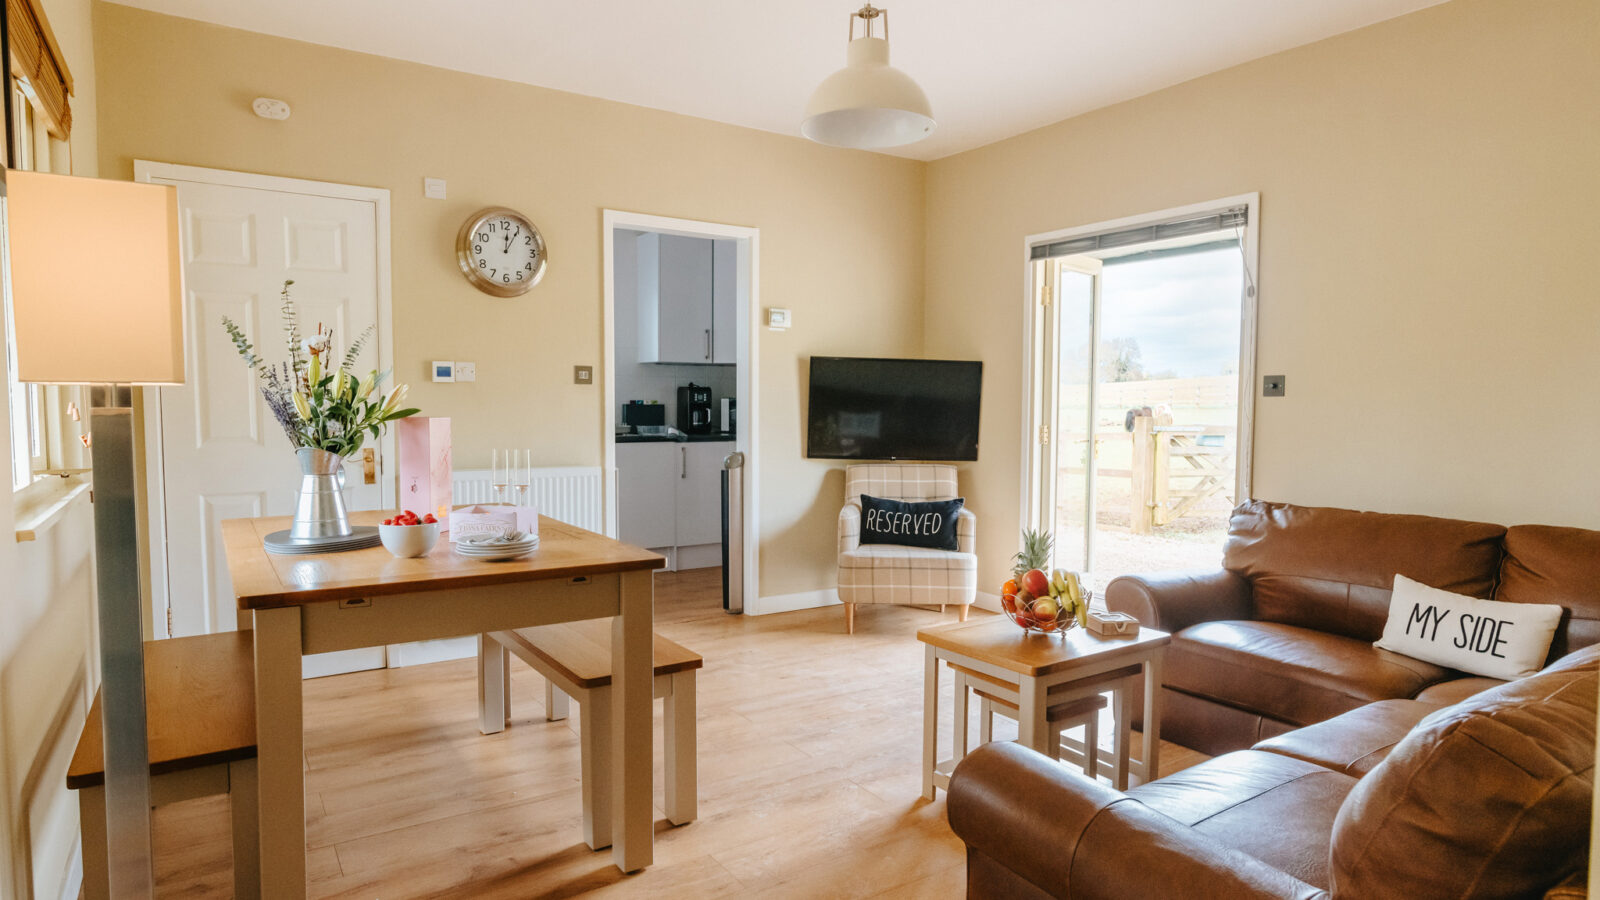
column 317, row 603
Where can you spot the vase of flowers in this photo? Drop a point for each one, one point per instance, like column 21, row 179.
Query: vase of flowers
column 325, row 410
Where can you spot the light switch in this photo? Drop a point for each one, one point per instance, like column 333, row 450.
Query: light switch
column 583, row 374
column 777, row 319
column 433, row 188
column 1273, row 385
column 466, row 371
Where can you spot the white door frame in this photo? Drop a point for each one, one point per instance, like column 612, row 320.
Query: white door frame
column 1249, row 244
column 155, row 484
column 746, row 323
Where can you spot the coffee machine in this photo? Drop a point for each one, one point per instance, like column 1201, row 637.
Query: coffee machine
column 694, row 409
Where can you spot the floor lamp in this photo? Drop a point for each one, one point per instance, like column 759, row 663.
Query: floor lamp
column 97, row 299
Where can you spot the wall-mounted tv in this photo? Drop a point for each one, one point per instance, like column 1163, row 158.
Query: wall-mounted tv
column 912, row 409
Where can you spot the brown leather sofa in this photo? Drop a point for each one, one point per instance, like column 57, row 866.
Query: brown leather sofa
column 1281, row 637
column 1486, row 798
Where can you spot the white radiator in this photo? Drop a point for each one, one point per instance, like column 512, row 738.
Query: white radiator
column 569, row 494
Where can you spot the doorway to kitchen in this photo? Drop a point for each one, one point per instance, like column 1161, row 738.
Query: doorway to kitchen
column 1141, row 359
column 680, row 420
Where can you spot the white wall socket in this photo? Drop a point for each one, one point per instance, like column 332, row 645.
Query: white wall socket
column 433, row 188
column 466, row 371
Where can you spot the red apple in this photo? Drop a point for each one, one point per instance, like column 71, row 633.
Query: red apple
column 1036, row 583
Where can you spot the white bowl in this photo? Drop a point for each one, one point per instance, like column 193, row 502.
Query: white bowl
column 406, row 541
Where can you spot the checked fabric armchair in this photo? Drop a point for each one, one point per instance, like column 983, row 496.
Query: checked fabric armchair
column 884, row 573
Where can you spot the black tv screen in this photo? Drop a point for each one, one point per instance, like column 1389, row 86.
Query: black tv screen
column 913, row 409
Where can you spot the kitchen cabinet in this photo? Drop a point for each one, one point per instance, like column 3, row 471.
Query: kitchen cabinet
column 699, row 492
column 687, row 295
column 670, row 494
column 724, row 302
column 647, row 491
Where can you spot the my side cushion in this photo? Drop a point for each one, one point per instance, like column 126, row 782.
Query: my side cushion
column 1481, row 637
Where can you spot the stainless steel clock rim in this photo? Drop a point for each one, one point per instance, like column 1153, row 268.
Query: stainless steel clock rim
column 484, row 284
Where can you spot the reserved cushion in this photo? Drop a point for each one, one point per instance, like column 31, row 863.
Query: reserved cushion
column 1480, row 637
column 1293, row 675
column 930, row 524
column 1487, row 798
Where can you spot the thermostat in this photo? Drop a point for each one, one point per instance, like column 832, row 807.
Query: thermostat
column 444, row 370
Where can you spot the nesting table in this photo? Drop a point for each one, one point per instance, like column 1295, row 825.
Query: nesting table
column 1038, row 672
column 364, row 598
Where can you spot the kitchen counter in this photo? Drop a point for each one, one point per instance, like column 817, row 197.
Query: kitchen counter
column 676, row 439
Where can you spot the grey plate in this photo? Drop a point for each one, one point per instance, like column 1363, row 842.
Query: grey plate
column 360, row 536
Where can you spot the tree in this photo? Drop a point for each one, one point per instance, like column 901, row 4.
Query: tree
column 1120, row 360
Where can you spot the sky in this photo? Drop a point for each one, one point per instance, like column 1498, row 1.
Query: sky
column 1183, row 311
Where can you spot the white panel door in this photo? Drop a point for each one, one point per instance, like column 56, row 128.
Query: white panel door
column 224, row 455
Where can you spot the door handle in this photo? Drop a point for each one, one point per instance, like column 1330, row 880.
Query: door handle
column 683, row 455
column 369, row 466
column 708, row 343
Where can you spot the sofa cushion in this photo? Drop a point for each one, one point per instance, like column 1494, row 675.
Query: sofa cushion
column 1272, row 807
column 1354, row 742
column 1449, row 693
column 1331, row 569
column 1549, row 564
column 1487, row 798
column 1480, row 637
column 1288, row 673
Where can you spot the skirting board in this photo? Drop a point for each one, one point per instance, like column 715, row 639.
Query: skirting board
column 781, row 603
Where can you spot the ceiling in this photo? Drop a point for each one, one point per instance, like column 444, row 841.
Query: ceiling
column 992, row 69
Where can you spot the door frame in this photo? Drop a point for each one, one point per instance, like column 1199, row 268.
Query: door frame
column 155, row 484
column 746, row 331
column 1249, row 243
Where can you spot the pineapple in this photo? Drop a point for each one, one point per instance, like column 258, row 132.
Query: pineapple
column 1035, row 553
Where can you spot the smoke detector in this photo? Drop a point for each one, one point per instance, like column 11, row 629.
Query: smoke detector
column 268, row 108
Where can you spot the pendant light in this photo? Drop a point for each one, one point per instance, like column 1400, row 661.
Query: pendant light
column 868, row 104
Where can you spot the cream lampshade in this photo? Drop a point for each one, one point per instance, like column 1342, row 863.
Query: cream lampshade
column 95, row 280
column 868, row 104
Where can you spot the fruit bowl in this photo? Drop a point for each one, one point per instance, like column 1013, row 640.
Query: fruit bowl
column 407, row 536
column 1052, row 618
column 1046, row 604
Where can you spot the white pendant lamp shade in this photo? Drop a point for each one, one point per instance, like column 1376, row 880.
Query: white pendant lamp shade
column 868, row 104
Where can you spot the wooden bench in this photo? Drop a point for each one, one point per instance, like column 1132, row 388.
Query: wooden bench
column 575, row 660
column 200, row 713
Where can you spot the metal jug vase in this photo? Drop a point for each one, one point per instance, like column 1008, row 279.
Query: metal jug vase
column 320, row 511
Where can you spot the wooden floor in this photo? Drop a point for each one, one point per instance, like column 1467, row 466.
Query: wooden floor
column 809, row 746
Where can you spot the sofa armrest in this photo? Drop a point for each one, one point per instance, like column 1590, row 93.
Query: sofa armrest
column 966, row 531
column 850, row 526
column 1176, row 601
column 1070, row 836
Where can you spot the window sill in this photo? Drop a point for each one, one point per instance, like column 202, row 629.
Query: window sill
column 42, row 504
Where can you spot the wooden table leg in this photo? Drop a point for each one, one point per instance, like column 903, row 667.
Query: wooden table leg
column 494, row 701
column 596, row 751
column 1032, row 727
column 92, row 821
column 1124, row 733
column 959, row 719
column 678, row 714
column 280, row 753
column 930, row 720
column 1152, row 715
column 632, row 690
column 242, row 794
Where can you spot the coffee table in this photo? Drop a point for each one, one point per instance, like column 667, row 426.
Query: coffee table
column 1038, row 671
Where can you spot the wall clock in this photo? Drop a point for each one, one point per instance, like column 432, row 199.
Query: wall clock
column 501, row 252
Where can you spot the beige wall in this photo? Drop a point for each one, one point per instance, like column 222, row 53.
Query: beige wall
column 841, row 232
column 47, row 666
column 1428, row 283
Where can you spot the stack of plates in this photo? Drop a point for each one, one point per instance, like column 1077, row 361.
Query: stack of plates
column 513, row 546
column 359, row 536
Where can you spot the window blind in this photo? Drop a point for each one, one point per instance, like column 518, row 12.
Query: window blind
column 1233, row 217
column 36, row 58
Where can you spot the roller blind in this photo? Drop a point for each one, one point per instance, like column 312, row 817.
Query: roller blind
column 36, row 57
column 1233, row 217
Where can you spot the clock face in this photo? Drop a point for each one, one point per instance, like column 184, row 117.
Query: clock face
column 501, row 252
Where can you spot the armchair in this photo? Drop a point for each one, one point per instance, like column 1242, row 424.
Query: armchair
column 884, row 573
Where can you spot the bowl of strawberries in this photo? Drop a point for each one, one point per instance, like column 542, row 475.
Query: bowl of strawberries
column 407, row 536
column 1041, row 600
